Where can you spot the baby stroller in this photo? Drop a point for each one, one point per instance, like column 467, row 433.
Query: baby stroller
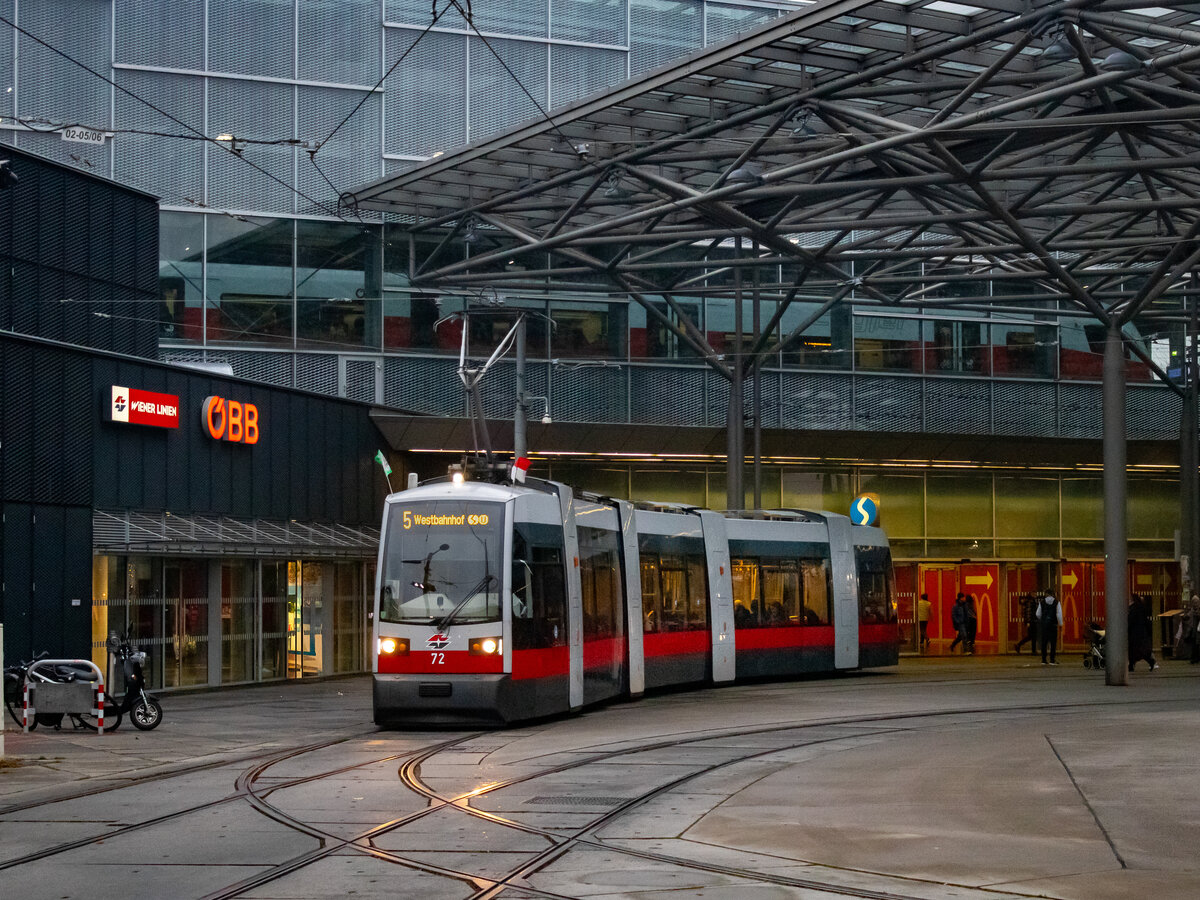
column 1093, row 657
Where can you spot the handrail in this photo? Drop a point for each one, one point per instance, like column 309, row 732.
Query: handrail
column 97, row 687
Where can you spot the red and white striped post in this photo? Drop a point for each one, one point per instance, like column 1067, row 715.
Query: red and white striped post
column 98, row 712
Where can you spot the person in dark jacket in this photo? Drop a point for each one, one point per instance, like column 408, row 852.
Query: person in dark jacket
column 971, row 624
column 1140, row 633
column 958, row 618
column 1028, row 614
column 1050, row 618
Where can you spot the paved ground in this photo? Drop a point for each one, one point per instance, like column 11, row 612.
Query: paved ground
column 942, row 778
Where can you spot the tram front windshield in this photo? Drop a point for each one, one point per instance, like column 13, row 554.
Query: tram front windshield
column 441, row 563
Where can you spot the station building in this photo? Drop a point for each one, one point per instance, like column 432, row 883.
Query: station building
column 231, row 527
column 978, row 429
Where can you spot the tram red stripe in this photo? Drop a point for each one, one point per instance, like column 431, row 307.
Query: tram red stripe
column 675, row 643
column 776, row 638
column 603, row 652
column 884, row 635
column 542, row 663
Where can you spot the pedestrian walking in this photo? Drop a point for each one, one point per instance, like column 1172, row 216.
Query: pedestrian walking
column 1050, row 619
column 924, row 608
column 1187, row 638
column 1140, row 633
column 1029, row 617
column 972, row 624
column 958, row 618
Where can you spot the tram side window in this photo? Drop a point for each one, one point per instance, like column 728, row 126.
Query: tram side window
column 747, row 602
column 600, row 580
column 781, row 592
column 539, row 597
column 651, row 602
column 875, row 590
column 777, row 592
column 815, row 575
column 674, row 584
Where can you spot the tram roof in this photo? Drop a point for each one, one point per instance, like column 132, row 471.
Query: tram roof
column 1047, row 147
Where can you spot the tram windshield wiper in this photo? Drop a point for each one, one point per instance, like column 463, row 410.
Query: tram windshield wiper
column 484, row 583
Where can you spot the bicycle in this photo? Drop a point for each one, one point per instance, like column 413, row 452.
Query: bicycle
column 14, row 694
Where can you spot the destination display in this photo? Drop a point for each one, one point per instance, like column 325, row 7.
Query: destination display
column 412, row 519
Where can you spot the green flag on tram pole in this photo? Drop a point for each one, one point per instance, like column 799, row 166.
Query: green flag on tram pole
column 387, row 469
column 382, row 460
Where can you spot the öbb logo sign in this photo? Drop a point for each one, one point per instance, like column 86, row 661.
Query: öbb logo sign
column 229, row 420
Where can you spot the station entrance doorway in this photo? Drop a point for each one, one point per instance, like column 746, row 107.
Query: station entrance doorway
column 943, row 583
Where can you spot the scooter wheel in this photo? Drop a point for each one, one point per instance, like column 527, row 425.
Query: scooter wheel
column 146, row 714
column 1087, row 662
column 112, row 720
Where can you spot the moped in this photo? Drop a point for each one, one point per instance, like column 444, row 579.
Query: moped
column 143, row 709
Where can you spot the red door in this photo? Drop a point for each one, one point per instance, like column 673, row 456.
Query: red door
column 1082, row 595
column 1019, row 579
column 941, row 584
column 982, row 581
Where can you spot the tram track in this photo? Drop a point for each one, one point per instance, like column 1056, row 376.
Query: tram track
column 240, row 792
column 251, row 787
column 516, row 879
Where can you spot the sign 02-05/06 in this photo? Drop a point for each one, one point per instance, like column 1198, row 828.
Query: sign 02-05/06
column 229, row 420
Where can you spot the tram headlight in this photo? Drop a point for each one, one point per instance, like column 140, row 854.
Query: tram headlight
column 488, row 646
column 390, row 646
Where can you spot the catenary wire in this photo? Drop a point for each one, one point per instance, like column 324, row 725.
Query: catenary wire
column 436, row 15
column 163, row 112
column 468, row 18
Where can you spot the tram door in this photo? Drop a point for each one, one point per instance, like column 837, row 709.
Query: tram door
column 941, row 584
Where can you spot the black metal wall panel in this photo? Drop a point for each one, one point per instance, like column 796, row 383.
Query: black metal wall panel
column 46, row 585
column 18, row 575
column 277, row 416
column 88, row 258
column 16, row 429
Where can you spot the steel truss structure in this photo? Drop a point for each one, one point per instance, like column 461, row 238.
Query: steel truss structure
column 893, row 153
column 927, row 147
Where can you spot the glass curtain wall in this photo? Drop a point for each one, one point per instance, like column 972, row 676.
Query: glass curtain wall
column 277, row 619
column 239, row 621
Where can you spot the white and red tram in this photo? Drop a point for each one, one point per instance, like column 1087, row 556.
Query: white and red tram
column 500, row 602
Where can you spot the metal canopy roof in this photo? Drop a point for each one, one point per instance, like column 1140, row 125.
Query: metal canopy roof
column 1048, row 147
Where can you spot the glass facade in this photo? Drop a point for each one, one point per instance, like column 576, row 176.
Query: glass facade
column 927, row 514
column 207, row 622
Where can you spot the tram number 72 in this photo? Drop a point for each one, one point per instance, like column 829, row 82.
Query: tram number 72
column 438, row 659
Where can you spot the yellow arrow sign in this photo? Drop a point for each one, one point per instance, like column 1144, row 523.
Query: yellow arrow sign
column 1070, row 580
column 985, row 580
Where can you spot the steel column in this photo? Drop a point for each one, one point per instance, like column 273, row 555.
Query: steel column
column 1116, row 578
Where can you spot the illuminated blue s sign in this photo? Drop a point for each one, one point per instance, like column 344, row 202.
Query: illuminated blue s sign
column 864, row 509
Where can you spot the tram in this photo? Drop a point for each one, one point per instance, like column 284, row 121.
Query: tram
column 497, row 602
